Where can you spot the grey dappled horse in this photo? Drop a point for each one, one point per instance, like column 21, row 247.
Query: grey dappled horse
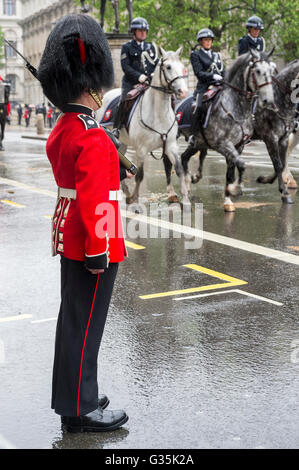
column 273, row 126
column 153, row 124
column 231, row 122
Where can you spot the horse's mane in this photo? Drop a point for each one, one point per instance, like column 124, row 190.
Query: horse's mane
column 283, row 74
column 238, row 66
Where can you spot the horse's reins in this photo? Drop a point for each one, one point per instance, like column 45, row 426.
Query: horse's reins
column 248, row 94
column 168, row 91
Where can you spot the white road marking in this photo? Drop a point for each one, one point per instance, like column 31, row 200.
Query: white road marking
column 15, row 318
column 213, row 237
column 44, row 320
column 5, row 444
column 238, row 291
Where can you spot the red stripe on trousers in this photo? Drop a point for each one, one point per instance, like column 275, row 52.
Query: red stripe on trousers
column 82, row 354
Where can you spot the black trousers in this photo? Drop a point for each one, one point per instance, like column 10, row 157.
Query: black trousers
column 85, row 300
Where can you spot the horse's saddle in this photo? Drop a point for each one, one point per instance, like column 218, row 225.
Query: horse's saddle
column 211, row 93
column 136, row 91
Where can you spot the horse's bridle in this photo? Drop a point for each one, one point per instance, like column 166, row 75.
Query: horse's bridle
column 249, row 94
column 169, row 89
column 251, row 72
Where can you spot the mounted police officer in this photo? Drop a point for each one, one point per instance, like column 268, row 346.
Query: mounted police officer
column 208, row 68
column 138, row 61
column 252, row 39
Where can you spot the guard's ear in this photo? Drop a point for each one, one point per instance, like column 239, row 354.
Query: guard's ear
column 179, row 51
column 162, row 52
column 270, row 53
column 254, row 53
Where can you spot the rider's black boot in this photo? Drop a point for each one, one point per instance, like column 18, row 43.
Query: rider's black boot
column 118, row 119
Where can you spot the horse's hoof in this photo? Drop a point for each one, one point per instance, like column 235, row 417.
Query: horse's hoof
column 195, row 178
column 234, row 190
column 287, row 200
column 130, row 200
column 229, row 208
column 262, row 179
column 173, row 199
column 292, row 184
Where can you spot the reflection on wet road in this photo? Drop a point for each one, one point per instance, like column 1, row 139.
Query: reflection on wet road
column 201, row 367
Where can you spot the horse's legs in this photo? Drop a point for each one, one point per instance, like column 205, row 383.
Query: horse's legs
column 202, row 155
column 140, row 155
column 172, row 196
column 185, row 157
column 172, row 151
column 277, row 150
column 233, row 187
column 288, row 178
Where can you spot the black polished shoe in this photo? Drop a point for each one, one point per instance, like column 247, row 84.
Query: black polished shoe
column 97, row 421
column 103, row 403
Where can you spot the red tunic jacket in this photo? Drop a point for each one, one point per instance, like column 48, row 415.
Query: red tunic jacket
column 86, row 227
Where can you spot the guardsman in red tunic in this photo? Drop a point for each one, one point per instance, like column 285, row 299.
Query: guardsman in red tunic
column 87, row 229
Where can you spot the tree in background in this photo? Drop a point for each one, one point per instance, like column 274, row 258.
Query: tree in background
column 176, row 22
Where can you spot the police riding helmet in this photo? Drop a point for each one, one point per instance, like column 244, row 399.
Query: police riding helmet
column 76, row 58
column 205, row 33
column 255, row 22
column 139, row 23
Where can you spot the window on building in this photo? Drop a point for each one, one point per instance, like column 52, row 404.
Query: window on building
column 12, row 79
column 9, row 51
column 9, row 7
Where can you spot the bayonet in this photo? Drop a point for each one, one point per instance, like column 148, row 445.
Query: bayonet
column 28, row 65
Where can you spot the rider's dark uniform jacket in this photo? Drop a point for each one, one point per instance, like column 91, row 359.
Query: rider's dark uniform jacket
column 132, row 64
column 247, row 42
column 205, row 67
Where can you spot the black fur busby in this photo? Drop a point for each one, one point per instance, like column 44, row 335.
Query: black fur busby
column 77, row 57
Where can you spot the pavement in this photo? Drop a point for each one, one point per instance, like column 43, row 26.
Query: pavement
column 201, row 345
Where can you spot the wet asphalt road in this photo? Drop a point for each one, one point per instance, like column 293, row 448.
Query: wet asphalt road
column 217, row 371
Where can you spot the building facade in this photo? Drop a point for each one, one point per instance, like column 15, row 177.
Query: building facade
column 36, row 24
column 27, row 23
column 12, row 66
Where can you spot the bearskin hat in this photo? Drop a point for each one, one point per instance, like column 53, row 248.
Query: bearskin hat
column 77, row 57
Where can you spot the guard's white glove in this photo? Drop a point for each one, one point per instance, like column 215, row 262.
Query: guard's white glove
column 142, row 78
column 217, row 77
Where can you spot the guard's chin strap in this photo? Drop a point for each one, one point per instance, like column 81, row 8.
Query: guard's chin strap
column 98, row 97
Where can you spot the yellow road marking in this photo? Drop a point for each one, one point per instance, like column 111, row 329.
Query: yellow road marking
column 11, row 203
column 231, row 281
column 134, row 245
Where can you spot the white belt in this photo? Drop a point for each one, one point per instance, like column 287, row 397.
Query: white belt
column 69, row 193
column 116, row 195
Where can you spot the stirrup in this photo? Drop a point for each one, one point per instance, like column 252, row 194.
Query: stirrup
column 115, row 132
column 191, row 140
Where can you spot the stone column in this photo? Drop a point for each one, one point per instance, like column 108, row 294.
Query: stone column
column 116, row 40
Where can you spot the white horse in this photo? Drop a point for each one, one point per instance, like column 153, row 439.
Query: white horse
column 153, row 124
